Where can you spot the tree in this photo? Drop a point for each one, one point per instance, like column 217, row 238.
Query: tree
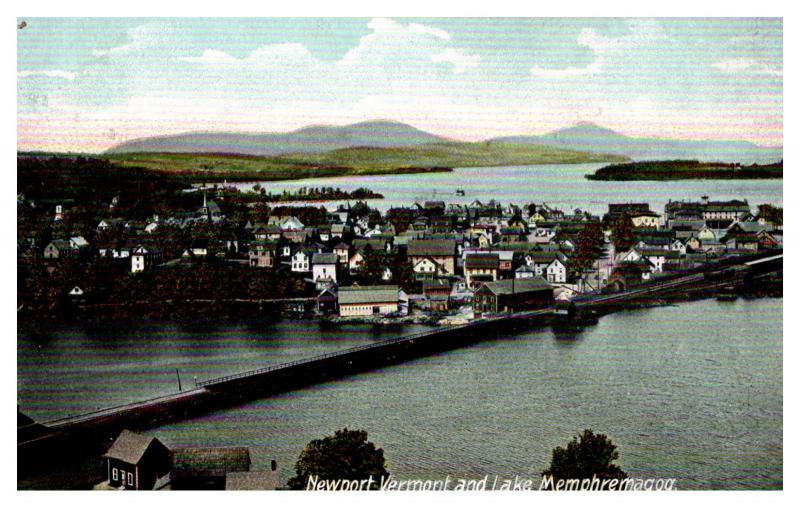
column 622, row 233
column 589, row 248
column 345, row 455
column 373, row 266
column 585, row 457
column 770, row 213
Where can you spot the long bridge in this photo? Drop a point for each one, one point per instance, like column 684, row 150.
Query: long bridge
column 213, row 394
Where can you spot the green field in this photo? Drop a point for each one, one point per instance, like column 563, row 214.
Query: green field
column 353, row 161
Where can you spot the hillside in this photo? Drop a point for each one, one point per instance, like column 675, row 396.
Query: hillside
column 312, row 139
column 350, row 161
column 596, row 139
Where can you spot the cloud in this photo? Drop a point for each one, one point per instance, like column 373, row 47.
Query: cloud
column 460, row 60
column 429, row 30
column 60, row 74
column 141, row 37
column 593, row 68
column 746, row 66
column 210, row 56
column 608, row 51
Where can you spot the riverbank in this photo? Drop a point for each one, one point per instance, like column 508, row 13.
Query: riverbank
column 667, row 170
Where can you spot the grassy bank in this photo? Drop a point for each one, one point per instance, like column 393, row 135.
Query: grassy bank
column 685, row 170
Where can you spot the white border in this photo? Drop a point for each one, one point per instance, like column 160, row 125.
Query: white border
column 408, row 8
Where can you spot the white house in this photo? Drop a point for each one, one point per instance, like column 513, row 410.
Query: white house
column 301, row 262
column 557, row 271
column 324, row 269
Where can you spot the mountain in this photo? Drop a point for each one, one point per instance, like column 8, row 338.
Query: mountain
column 596, row 139
column 312, row 139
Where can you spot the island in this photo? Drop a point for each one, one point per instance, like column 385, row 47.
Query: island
column 662, row 170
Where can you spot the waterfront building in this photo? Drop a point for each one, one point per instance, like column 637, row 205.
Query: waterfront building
column 206, row 468
column 136, row 461
column 512, row 295
column 370, row 300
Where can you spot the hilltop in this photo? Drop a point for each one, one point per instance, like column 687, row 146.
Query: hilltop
column 311, row 139
column 596, row 139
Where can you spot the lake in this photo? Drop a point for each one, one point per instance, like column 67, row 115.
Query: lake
column 692, row 391
column 562, row 186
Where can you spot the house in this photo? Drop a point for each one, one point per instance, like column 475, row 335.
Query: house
column 262, row 254
column 301, row 261
column 342, row 250
column 206, row 468
column 512, row 296
column 646, row 219
column 437, row 292
column 323, row 266
column 480, row 268
column 641, row 209
column 136, row 461
column 524, row 271
column 441, row 251
column 371, row 300
column 742, row 241
column 556, row 271
column 144, row 258
column 427, row 268
column 551, row 265
column 327, row 301
column 58, row 249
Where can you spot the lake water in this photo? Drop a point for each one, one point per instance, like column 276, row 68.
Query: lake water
column 692, row 391
column 72, row 372
column 563, row 186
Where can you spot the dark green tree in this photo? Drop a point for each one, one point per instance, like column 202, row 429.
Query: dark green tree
column 622, row 233
column 586, row 456
column 345, row 455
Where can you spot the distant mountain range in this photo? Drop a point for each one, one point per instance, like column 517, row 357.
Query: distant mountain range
column 312, row 139
column 390, row 134
column 595, row 139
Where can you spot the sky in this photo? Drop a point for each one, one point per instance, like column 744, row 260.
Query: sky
column 84, row 85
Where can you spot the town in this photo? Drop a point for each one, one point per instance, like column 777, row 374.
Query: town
column 151, row 254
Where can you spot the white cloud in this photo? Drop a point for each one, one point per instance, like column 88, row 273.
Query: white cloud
column 142, row 37
column 460, row 60
column 61, row 74
column 593, row 68
column 746, row 65
column 210, row 56
column 429, row 30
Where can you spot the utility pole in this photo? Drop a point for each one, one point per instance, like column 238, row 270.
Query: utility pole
column 179, row 379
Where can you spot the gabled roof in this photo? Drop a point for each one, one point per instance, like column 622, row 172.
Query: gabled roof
column 431, row 247
column 368, row 294
column 325, row 258
column 516, row 286
column 130, row 447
